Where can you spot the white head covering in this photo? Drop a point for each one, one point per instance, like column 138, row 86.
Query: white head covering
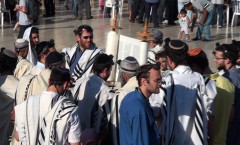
column 32, row 55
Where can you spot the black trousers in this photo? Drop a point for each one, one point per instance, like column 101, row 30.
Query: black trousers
column 49, row 7
column 22, row 30
column 154, row 12
column 135, row 6
column 171, row 11
column 81, row 4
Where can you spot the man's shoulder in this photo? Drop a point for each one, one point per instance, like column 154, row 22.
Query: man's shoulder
column 24, row 61
column 130, row 98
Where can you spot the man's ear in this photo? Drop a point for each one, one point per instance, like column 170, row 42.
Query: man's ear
column 144, row 81
column 49, row 81
column 105, row 70
column 227, row 61
column 42, row 55
column 125, row 77
column 77, row 38
column 169, row 60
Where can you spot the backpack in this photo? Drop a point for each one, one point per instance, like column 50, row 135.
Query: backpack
column 32, row 9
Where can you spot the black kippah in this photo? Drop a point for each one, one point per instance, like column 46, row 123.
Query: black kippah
column 59, row 75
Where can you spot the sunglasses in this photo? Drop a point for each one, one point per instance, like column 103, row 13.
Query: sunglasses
column 87, row 37
column 218, row 58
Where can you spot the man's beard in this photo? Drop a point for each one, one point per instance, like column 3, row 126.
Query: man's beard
column 122, row 80
column 221, row 68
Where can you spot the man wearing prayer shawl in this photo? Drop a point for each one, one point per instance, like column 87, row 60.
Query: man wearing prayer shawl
column 127, row 68
column 31, row 34
column 24, row 67
column 51, row 117
column 8, row 86
column 79, row 58
column 94, row 94
column 30, row 85
column 185, row 120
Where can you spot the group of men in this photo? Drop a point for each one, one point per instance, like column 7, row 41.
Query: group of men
column 64, row 98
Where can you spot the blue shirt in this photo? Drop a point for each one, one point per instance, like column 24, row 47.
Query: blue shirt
column 75, row 59
column 137, row 125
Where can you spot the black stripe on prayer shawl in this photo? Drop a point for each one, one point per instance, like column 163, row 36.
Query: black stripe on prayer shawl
column 54, row 100
column 165, row 105
column 90, row 62
column 28, row 85
column 199, row 134
column 44, row 121
column 164, row 90
column 117, row 119
column 42, row 134
column 39, row 142
column 151, row 61
column 199, row 117
column 64, row 110
column 75, row 97
column 86, row 67
column 206, row 81
column 77, row 70
column 68, row 58
column 77, row 75
column 68, row 111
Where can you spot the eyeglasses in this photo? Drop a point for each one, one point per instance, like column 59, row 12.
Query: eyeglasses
column 86, row 37
column 218, row 58
column 158, row 80
column 35, row 37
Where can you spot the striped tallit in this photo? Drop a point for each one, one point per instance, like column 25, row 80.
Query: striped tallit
column 186, row 121
column 30, row 85
column 84, row 65
column 55, row 123
column 209, row 96
column 92, row 97
column 29, row 114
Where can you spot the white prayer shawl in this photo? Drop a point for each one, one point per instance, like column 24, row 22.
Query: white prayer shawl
column 209, row 96
column 36, row 70
column 84, row 66
column 32, row 54
column 152, row 52
column 30, row 114
column 30, row 85
column 92, row 96
column 156, row 101
column 8, row 86
column 115, row 106
column 55, row 125
column 27, row 120
column 183, row 101
column 24, row 67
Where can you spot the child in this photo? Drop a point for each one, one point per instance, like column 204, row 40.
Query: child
column 184, row 23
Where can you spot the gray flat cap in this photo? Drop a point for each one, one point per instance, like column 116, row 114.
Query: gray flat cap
column 20, row 44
